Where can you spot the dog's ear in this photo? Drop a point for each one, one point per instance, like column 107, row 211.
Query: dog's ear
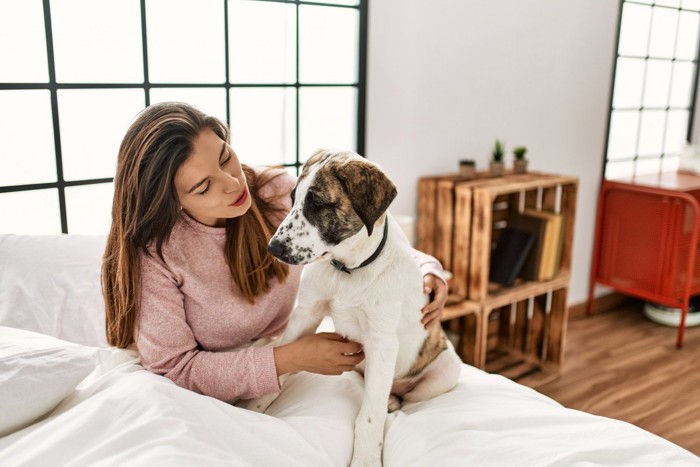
column 369, row 190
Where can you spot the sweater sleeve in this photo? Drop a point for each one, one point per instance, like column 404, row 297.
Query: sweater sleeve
column 428, row 265
column 167, row 345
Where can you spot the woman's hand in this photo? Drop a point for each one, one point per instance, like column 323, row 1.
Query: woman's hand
column 325, row 353
column 437, row 290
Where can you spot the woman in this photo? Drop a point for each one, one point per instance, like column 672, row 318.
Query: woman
column 186, row 274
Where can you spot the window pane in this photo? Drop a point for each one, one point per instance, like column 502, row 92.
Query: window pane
column 634, row 29
column 623, row 134
column 89, row 208
column 211, row 101
column 671, row 3
column 186, row 41
column 648, row 166
column 670, row 163
column 615, row 170
column 26, row 131
column 328, row 44
column 628, row 82
column 687, row 36
column 97, row 41
column 658, row 82
column 262, row 125
column 262, row 42
column 682, row 84
column 651, row 132
column 93, row 123
column 34, row 212
column 663, row 32
column 676, row 131
column 691, row 4
column 327, row 119
column 22, row 42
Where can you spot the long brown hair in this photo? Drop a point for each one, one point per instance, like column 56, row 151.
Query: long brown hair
column 146, row 208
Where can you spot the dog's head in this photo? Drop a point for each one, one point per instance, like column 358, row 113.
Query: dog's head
column 338, row 194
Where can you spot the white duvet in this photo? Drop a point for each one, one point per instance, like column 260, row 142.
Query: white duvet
column 123, row 415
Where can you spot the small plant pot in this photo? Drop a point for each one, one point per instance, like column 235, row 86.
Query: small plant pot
column 520, row 166
column 467, row 168
column 496, row 168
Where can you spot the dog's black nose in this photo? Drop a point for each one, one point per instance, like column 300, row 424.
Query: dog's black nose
column 276, row 248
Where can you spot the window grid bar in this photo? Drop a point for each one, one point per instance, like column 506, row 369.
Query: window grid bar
column 612, row 89
column 301, row 2
column 667, row 7
column 639, row 109
column 60, row 182
column 644, row 84
column 362, row 78
column 297, row 117
column 670, row 91
column 653, row 57
column 226, row 61
column 144, row 45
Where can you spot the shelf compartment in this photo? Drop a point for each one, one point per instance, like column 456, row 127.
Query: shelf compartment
column 530, row 330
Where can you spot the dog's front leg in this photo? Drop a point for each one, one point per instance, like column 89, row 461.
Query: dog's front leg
column 381, row 351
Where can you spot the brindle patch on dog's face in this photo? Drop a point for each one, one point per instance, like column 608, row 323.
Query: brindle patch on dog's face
column 322, row 215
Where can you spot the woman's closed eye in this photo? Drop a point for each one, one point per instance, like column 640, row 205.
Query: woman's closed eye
column 223, row 163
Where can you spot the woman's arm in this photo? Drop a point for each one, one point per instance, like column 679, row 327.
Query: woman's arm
column 167, row 345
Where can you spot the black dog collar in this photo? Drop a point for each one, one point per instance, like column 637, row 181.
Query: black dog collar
column 341, row 267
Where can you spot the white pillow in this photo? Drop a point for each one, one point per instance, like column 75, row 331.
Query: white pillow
column 51, row 285
column 36, row 373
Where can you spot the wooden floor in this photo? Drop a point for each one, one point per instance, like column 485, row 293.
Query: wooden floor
column 621, row 365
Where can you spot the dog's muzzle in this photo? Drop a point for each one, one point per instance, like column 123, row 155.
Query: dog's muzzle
column 277, row 249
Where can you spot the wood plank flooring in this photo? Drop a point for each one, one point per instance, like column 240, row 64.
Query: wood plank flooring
column 621, row 365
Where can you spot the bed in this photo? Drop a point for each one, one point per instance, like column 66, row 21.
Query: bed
column 66, row 398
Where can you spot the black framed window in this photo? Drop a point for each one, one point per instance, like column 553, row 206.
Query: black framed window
column 654, row 87
column 287, row 76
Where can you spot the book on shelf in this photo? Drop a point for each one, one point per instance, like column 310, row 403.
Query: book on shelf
column 509, row 255
column 544, row 258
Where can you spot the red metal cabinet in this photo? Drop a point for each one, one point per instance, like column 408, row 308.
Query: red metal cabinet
column 646, row 239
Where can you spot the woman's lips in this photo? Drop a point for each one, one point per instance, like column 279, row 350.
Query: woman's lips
column 241, row 199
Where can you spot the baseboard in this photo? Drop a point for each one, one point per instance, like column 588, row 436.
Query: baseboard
column 600, row 304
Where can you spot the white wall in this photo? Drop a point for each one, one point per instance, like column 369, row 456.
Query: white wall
column 448, row 77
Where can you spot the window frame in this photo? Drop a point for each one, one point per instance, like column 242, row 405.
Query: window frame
column 666, row 109
column 53, row 87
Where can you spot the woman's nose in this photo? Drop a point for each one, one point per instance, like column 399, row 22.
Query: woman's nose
column 231, row 184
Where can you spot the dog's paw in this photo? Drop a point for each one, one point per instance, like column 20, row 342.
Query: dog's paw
column 260, row 404
column 394, row 403
column 367, row 451
column 366, row 461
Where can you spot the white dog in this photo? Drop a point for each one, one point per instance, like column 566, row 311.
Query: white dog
column 360, row 272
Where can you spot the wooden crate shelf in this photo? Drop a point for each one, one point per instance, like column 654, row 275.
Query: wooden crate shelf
column 458, row 221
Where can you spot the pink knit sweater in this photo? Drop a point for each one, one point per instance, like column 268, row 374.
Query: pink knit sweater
column 194, row 326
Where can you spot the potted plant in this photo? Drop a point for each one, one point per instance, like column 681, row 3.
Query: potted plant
column 519, row 161
column 467, row 168
column 496, row 163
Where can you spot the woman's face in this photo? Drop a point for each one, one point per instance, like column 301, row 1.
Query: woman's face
column 210, row 184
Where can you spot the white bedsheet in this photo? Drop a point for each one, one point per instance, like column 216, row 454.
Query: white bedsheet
column 123, row 415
